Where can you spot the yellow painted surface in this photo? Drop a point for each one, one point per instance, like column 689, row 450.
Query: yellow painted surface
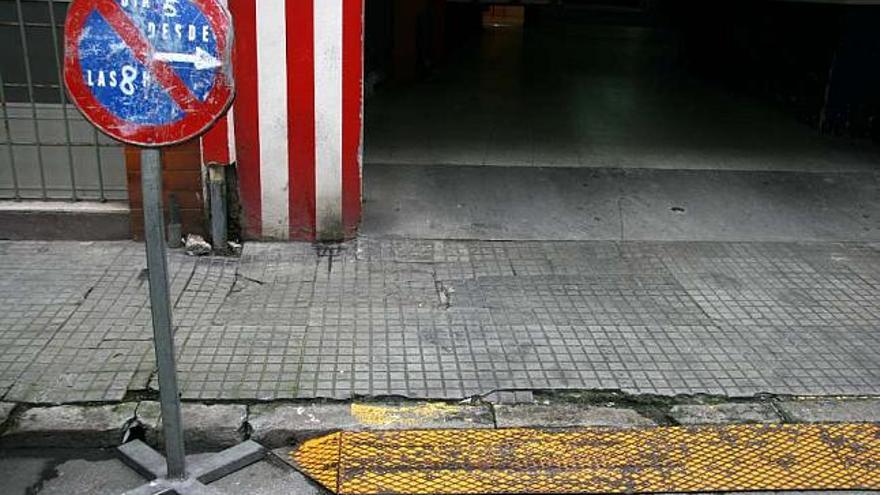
column 408, row 415
column 319, row 458
column 597, row 460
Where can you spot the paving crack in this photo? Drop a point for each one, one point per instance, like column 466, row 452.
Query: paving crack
column 86, row 295
column 444, row 292
column 329, row 251
column 238, row 275
column 786, row 418
column 192, row 273
column 245, row 429
column 145, row 339
column 150, row 377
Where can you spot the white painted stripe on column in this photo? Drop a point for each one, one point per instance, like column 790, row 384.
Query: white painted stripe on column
column 328, row 116
column 272, row 120
column 230, row 115
column 230, row 134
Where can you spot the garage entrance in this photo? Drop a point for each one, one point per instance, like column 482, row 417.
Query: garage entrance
column 616, row 120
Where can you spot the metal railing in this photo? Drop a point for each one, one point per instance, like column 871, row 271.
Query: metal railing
column 51, row 152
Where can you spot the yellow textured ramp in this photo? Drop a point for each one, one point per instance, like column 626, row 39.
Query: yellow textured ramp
column 664, row 459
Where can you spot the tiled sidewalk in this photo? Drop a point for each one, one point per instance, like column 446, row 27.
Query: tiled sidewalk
column 446, row 319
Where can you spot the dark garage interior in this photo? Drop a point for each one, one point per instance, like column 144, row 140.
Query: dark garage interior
column 606, row 87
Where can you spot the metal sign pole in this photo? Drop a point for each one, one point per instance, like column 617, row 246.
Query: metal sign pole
column 170, row 475
column 160, row 306
column 195, row 68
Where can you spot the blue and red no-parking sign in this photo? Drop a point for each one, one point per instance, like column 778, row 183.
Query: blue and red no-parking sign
column 149, row 72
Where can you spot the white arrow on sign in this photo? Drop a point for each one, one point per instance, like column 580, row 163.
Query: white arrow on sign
column 201, row 59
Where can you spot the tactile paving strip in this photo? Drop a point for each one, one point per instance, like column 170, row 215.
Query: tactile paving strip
column 599, row 460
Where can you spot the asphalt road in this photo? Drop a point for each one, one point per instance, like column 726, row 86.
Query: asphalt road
column 100, row 472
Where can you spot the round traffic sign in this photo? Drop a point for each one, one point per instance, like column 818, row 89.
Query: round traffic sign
column 149, row 72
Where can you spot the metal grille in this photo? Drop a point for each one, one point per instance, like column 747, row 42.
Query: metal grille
column 596, row 460
column 51, row 151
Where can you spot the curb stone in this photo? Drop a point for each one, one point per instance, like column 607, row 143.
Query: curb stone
column 70, row 426
column 510, row 397
column 702, row 414
column 831, row 410
column 213, row 427
column 279, row 425
column 421, row 415
column 205, row 427
column 566, row 416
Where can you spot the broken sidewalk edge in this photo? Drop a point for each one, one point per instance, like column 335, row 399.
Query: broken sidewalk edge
column 214, row 426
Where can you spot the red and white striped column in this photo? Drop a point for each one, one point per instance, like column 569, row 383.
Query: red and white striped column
column 297, row 119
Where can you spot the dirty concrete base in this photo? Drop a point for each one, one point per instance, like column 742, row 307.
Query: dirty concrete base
column 211, row 427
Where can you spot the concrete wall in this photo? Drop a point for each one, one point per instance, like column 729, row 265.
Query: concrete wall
column 181, row 178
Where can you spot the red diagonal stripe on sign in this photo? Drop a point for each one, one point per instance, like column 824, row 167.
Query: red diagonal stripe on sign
column 161, row 72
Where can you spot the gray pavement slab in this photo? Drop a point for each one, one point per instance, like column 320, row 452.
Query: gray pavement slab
column 21, row 475
column 70, row 426
column 206, row 428
column 75, row 325
column 285, row 424
column 831, row 410
column 238, row 361
column 447, row 319
column 275, row 426
column 731, row 412
column 510, row 397
column 80, row 476
column 267, row 478
column 566, row 416
column 453, row 202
